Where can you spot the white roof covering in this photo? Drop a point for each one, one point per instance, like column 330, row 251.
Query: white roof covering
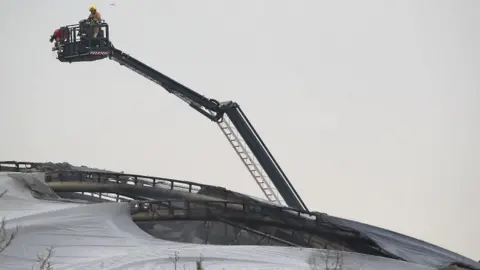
column 103, row 236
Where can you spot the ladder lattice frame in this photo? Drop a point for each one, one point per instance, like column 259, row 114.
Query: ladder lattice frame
column 249, row 160
column 232, row 135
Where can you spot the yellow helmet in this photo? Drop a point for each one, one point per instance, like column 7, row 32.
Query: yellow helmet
column 92, row 7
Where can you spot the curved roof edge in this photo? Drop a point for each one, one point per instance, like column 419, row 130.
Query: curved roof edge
column 407, row 248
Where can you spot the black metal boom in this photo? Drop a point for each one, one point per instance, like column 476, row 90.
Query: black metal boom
column 238, row 130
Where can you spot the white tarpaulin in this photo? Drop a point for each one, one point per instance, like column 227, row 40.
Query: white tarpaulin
column 103, row 236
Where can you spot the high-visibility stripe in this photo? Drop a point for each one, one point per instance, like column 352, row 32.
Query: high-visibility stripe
column 99, row 53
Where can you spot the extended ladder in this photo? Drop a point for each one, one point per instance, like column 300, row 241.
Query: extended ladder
column 249, row 160
column 210, row 109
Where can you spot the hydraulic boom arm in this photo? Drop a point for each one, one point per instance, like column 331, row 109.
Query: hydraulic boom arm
column 235, row 126
column 207, row 107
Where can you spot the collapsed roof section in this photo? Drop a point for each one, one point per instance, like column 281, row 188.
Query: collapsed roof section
column 215, row 215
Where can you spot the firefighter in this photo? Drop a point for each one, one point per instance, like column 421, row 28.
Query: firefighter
column 94, row 18
column 59, row 36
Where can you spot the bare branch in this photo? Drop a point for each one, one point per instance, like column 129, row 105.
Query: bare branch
column 3, row 193
column 44, row 259
column 6, row 238
column 175, row 259
column 312, row 262
column 333, row 260
column 199, row 263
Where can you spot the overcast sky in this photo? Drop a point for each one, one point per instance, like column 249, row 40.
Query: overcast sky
column 372, row 108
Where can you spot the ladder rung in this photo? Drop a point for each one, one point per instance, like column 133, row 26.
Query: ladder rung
column 249, row 161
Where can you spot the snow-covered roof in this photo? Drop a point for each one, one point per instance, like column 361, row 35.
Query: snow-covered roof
column 103, row 236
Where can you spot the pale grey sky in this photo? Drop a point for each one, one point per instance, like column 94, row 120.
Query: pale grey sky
column 372, row 108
